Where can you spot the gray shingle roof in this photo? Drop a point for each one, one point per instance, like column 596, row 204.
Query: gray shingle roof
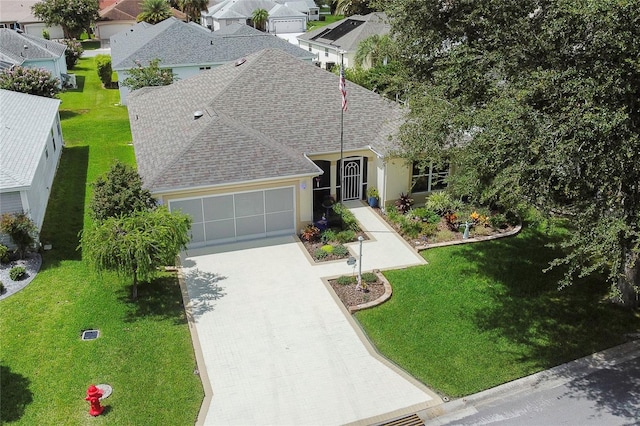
column 243, row 9
column 177, row 43
column 22, row 47
column 259, row 120
column 25, row 123
column 349, row 32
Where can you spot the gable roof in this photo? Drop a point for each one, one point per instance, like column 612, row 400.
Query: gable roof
column 349, row 32
column 22, row 139
column 17, row 48
column 128, row 10
column 176, row 43
column 258, row 123
column 17, row 11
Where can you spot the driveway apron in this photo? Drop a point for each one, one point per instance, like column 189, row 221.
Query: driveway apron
column 278, row 348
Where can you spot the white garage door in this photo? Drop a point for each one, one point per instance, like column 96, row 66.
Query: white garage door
column 289, row 26
column 240, row 216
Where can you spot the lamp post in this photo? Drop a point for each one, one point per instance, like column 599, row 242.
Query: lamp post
column 341, row 52
column 359, row 286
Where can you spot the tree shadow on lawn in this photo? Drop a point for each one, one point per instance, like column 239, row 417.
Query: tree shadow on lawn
column 528, row 309
column 15, row 394
column 64, row 218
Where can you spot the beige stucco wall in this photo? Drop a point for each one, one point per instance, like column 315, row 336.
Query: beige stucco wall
column 398, row 179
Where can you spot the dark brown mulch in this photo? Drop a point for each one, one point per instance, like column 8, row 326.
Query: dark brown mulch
column 315, row 245
column 352, row 297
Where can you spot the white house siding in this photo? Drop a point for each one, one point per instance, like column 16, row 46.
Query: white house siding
column 327, row 54
column 291, row 25
column 57, row 67
column 38, row 194
column 35, row 29
column 105, row 29
column 11, row 202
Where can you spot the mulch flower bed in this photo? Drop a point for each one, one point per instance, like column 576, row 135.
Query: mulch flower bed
column 349, row 296
column 313, row 246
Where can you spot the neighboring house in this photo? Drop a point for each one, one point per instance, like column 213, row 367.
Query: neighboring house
column 245, row 150
column 308, row 7
column 188, row 49
column 33, row 52
column 340, row 40
column 282, row 19
column 17, row 15
column 120, row 15
column 30, row 145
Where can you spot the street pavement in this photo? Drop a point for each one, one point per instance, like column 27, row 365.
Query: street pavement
column 601, row 389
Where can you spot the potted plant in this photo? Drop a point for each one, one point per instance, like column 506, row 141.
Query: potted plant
column 372, row 196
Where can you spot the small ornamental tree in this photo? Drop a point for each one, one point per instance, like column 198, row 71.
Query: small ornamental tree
column 136, row 245
column 152, row 75
column 21, row 229
column 74, row 16
column 119, row 193
column 259, row 18
column 103, row 65
column 34, row 81
column 73, row 52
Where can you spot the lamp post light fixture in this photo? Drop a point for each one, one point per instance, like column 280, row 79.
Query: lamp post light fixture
column 359, row 286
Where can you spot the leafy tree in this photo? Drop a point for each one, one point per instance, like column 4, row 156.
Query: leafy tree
column 34, row 81
column 154, row 11
column 352, row 7
column 152, row 75
column 193, row 8
column 376, row 49
column 136, row 245
column 537, row 102
column 73, row 52
column 21, row 229
column 119, row 193
column 103, row 67
column 74, row 16
column 259, row 18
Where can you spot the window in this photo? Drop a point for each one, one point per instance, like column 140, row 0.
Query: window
column 46, row 153
column 204, row 68
column 428, row 179
column 310, row 48
column 326, row 51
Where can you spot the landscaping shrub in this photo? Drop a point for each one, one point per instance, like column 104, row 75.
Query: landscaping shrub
column 425, row 215
column 21, row 229
column 444, row 235
column 328, row 235
column 34, row 81
column 404, row 203
column 2, row 289
column 328, row 248
column 481, row 231
column 320, row 254
column 310, row 233
column 103, row 65
column 347, row 218
column 410, row 227
column 73, row 52
column 345, row 236
column 17, row 273
column 452, row 221
column 340, row 250
column 46, row 35
column 4, row 253
column 346, row 280
column 369, row 277
column 429, row 229
column 393, row 215
column 498, row 221
column 440, row 202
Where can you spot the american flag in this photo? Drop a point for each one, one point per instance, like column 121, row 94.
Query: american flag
column 343, row 89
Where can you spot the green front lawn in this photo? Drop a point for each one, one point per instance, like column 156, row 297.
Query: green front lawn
column 144, row 350
column 329, row 19
column 479, row 315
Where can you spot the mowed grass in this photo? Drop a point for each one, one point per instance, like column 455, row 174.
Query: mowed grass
column 479, row 315
column 329, row 19
column 144, row 350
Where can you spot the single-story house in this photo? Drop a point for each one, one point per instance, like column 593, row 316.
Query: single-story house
column 308, row 7
column 339, row 41
column 31, row 144
column 188, row 49
column 17, row 15
column 120, row 15
column 282, row 19
column 245, row 150
column 33, row 52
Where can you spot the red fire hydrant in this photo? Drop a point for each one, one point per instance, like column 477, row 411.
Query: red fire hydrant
column 93, row 396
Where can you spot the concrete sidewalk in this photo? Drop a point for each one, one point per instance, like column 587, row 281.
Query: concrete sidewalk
column 277, row 347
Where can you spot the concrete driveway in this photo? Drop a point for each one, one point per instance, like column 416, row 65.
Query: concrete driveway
column 277, row 347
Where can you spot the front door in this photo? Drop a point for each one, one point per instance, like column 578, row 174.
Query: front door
column 352, row 180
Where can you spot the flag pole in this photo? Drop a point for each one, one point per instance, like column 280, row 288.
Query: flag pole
column 342, row 106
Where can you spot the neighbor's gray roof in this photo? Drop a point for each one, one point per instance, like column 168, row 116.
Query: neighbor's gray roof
column 21, row 47
column 17, row 11
column 25, row 123
column 349, row 32
column 236, row 9
column 176, row 43
column 259, row 120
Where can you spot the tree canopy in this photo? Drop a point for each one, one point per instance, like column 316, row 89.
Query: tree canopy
column 193, row 8
column 119, row 193
column 34, row 81
column 138, row 244
column 151, row 75
column 536, row 102
column 74, row 16
column 154, row 11
column 259, row 18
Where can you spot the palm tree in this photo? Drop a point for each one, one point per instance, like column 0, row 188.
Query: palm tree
column 154, row 11
column 377, row 50
column 259, row 17
column 193, row 8
column 352, row 7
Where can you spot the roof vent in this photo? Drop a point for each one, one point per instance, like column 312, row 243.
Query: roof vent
column 25, row 46
column 212, row 42
column 197, row 114
column 240, row 62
